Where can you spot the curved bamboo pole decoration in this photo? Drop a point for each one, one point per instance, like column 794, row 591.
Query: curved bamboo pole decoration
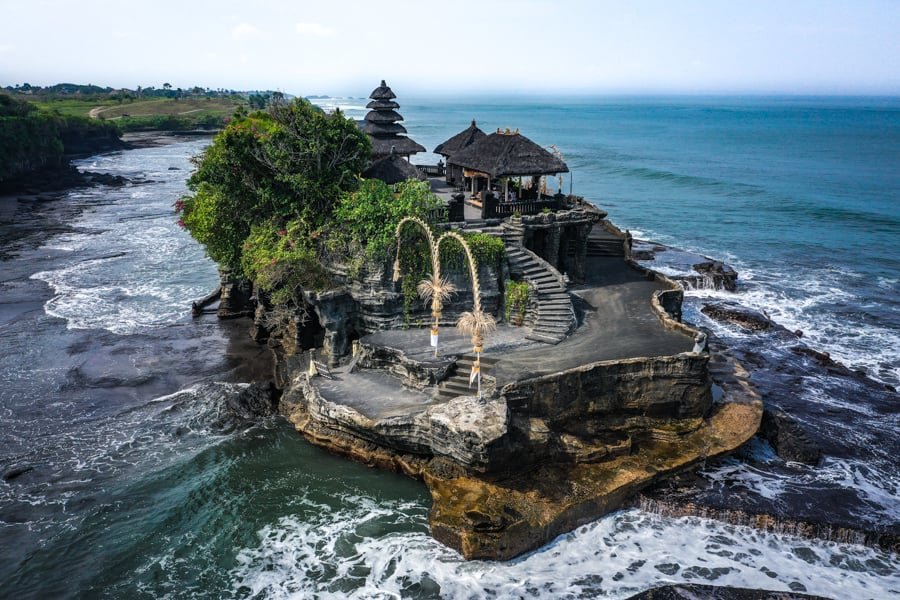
column 437, row 289
column 476, row 323
column 470, row 259
column 432, row 245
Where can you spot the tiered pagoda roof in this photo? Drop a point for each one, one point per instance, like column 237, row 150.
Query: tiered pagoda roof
column 383, row 127
column 393, row 169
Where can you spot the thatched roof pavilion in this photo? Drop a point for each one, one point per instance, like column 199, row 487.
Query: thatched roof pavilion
column 382, row 125
column 508, row 154
column 463, row 139
column 393, row 169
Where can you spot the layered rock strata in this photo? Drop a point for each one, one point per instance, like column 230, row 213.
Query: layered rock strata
column 537, row 454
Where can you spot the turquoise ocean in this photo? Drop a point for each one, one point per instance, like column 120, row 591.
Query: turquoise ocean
column 123, row 478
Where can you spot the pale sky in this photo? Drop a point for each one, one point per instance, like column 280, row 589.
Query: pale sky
column 459, row 46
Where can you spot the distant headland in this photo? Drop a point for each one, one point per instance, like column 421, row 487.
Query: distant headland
column 42, row 127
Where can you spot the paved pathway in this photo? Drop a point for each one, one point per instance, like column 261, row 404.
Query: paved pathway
column 618, row 324
column 444, row 191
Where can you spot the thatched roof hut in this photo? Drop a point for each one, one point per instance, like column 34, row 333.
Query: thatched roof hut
column 393, row 169
column 507, row 154
column 382, row 125
column 383, row 115
column 463, row 139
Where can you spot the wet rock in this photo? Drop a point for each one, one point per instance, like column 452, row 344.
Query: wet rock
column 720, row 274
column 107, row 179
column 696, row 591
column 788, row 438
column 259, row 399
column 198, row 306
column 808, row 501
column 235, row 297
column 746, row 318
column 16, row 472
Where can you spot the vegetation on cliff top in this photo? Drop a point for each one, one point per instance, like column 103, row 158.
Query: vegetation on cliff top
column 32, row 139
column 145, row 108
column 265, row 189
column 278, row 197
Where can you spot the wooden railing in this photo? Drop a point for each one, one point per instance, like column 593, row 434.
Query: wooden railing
column 525, row 207
column 438, row 215
column 432, row 170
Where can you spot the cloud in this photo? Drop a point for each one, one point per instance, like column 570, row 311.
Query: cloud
column 243, row 31
column 314, row 29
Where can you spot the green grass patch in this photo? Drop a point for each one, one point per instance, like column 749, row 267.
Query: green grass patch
column 70, row 107
column 169, row 114
column 170, row 107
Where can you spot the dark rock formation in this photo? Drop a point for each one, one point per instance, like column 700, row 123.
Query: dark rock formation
column 259, row 399
column 746, row 318
column 788, row 438
column 697, row 591
column 843, row 434
column 236, row 296
column 17, row 472
column 58, row 178
column 198, row 306
column 718, row 275
column 693, row 270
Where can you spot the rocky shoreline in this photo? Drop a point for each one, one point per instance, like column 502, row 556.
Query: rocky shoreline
column 686, row 494
column 49, row 182
column 802, row 447
column 591, row 434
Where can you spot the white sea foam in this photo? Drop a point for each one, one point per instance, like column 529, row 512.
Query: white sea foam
column 336, row 555
column 807, row 306
column 875, row 483
column 132, row 268
column 806, row 300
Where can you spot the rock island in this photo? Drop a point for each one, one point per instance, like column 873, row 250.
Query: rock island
column 468, row 323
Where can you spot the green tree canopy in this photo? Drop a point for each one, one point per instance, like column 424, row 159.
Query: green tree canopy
column 288, row 164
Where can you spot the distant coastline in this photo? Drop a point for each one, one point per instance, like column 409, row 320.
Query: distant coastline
column 43, row 128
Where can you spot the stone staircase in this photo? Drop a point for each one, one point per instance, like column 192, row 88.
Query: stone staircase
column 458, row 383
column 603, row 243
column 555, row 314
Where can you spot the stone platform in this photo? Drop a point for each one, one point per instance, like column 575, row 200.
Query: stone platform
column 563, row 434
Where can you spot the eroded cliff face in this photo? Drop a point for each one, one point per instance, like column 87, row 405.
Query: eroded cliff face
column 357, row 307
column 603, row 410
column 501, row 515
column 531, row 459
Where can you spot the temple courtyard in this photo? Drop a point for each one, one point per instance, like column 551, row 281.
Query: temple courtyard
column 615, row 322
